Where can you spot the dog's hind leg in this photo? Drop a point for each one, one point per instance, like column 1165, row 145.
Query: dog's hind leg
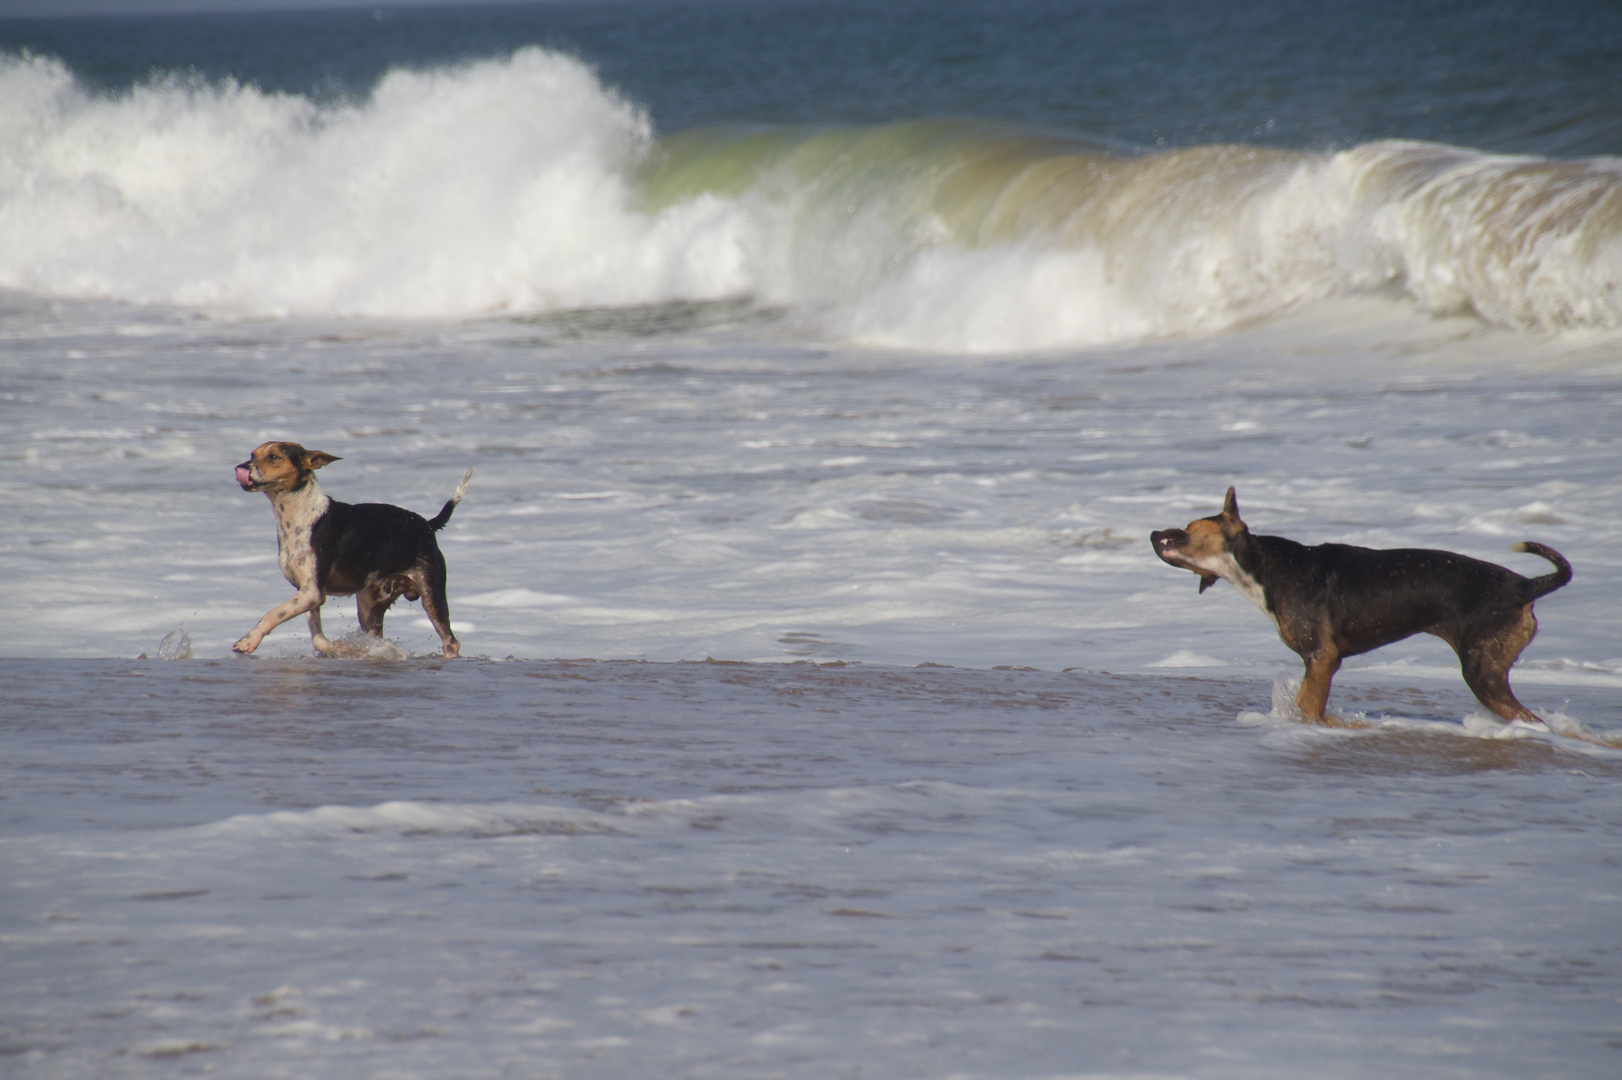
column 1314, row 695
column 434, row 604
column 1485, row 659
column 371, row 604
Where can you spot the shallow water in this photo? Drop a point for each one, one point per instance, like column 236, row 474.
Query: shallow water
column 605, row 869
column 732, row 491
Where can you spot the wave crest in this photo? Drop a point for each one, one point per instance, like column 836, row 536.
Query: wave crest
column 959, row 235
column 1523, row 242
column 499, row 185
column 523, row 185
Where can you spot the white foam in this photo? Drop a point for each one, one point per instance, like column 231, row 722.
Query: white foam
column 1185, row 658
column 404, row 818
column 1287, row 721
column 522, row 184
column 499, row 185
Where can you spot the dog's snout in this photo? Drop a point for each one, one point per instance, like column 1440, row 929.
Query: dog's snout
column 1165, row 538
column 244, row 477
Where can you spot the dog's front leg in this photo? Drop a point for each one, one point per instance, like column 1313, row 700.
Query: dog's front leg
column 301, row 602
column 1314, row 695
column 323, row 644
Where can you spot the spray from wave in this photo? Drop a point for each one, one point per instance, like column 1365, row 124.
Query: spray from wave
column 523, row 185
column 502, row 185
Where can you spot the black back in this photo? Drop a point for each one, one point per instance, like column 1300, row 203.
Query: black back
column 353, row 540
column 1374, row 596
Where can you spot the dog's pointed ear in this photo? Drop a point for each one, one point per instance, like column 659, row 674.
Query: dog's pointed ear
column 314, row 459
column 1230, row 509
column 1206, row 581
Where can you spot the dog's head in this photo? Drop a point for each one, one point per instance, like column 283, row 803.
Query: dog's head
column 278, row 467
column 1206, row 546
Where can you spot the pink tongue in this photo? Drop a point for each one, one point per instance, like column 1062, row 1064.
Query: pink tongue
column 242, row 476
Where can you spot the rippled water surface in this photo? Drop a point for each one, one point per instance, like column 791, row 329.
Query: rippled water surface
column 609, row 869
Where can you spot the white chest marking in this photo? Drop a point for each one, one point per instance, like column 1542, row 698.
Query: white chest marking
column 1224, row 567
column 296, row 515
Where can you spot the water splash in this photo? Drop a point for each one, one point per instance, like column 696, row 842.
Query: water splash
column 176, row 645
column 500, row 185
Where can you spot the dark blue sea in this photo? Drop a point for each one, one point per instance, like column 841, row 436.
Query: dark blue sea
column 1515, row 77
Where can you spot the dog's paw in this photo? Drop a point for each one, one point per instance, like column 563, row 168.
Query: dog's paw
column 245, row 645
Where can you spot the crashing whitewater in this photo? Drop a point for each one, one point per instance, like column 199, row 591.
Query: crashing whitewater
column 523, row 185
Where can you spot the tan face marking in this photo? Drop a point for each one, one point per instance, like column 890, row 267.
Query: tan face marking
column 279, row 467
column 1199, row 547
column 1203, row 548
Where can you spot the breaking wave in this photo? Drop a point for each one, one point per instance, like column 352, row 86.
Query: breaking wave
column 522, row 185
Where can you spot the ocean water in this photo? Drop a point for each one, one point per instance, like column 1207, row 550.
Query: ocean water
column 823, row 710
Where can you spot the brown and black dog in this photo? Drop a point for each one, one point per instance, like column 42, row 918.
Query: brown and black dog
column 1335, row 600
column 374, row 551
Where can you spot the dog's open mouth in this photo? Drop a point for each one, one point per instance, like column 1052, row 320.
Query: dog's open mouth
column 244, row 477
column 1167, row 541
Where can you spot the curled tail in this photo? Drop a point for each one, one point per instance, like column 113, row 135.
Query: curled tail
column 1532, row 588
column 440, row 519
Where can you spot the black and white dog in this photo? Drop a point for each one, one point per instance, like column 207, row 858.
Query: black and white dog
column 373, row 551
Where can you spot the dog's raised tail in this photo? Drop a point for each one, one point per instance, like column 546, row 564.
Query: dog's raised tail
column 442, row 518
column 1532, row 588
